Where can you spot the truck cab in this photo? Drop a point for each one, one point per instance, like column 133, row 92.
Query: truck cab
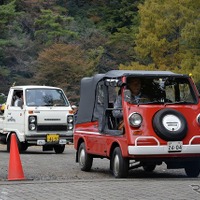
column 163, row 128
column 38, row 115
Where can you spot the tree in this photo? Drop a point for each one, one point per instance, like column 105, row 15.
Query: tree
column 13, row 46
column 53, row 27
column 121, row 19
column 8, row 14
column 63, row 66
column 169, row 34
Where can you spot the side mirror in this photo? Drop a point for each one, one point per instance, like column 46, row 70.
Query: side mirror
column 74, row 107
column 127, row 95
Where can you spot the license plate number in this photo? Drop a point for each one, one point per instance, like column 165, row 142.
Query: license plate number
column 175, row 146
column 51, row 138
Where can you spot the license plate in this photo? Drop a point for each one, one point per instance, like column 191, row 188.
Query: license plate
column 51, row 138
column 175, row 146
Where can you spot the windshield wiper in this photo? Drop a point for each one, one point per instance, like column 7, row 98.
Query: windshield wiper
column 59, row 104
column 179, row 102
column 155, row 102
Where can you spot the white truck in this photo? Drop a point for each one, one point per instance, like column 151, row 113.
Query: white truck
column 42, row 117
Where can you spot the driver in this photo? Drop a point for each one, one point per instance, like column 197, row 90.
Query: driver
column 134, row 85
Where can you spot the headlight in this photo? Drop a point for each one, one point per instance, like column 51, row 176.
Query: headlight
column 70, row 126
column 135, row 119
column 70, row 122
column 32, row 127
column 198, row 119
column 32, row 119
column 70, row 119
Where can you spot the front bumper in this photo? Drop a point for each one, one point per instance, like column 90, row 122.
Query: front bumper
column 162, row 150
column 158, row 149
column 42, row 139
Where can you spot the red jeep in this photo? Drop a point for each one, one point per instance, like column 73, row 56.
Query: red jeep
column 166, row 128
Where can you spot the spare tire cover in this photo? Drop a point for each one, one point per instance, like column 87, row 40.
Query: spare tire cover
column 170, row 125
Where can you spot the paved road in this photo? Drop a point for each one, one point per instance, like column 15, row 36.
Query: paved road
column 55, row 177
column 138, row 189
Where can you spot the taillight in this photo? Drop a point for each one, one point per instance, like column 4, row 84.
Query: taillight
column 32, row 123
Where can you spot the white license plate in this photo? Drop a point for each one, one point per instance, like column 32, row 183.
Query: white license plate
column 175, row 146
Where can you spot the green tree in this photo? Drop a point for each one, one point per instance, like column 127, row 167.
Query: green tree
column 13, row 46
column 8, row 14
column 121, row 19
column 117, row 20
column 53, row 27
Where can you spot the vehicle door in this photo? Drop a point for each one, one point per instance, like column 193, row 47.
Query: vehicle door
column 14, row 116
column 98, row 139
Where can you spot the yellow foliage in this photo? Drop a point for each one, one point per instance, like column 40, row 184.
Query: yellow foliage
column 169, row 37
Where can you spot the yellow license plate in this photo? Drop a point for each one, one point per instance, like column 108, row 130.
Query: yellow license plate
column 53, row 138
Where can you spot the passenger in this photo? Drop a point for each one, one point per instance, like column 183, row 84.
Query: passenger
column 19, row 101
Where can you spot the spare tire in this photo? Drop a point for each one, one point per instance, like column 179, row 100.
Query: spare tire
column 170, row 125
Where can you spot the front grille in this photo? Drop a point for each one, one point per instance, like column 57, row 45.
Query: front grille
column 52, row 128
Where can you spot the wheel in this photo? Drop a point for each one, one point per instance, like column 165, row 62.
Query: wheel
column 85, row 160
column 149, row 168
column 170, row 125
column 24, row 146
column 59, row 148
column 192, row 169
column 18, row 144
column 8, row 145
column 119, row 165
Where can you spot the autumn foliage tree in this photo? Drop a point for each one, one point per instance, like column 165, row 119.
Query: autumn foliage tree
column 168, row 37
column 63, row 66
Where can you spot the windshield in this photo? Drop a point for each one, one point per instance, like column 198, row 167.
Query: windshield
column 166, row 90
column 45, row 97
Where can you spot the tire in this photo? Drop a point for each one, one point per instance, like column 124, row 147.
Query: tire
column 192, row 169
column 170, row 125
column 18, row 144
column 119, row 164
column 149, row 168
column 24, row 146
column 85, row 160
column 59, row 148
column 8, row 145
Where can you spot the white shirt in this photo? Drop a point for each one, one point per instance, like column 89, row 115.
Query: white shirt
column 16, row 103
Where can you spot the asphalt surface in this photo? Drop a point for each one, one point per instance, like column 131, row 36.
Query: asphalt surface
column 57, row 177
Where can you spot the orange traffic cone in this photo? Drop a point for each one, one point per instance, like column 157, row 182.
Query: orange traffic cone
column 15, row 171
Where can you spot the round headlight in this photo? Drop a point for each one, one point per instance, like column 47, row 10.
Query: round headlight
column 69, row 126
column 32, row 127
column 32, row 119
column 135, row 119
column 70, row 119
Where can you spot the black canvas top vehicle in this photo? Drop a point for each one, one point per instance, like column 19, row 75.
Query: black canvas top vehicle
column 166, row 128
